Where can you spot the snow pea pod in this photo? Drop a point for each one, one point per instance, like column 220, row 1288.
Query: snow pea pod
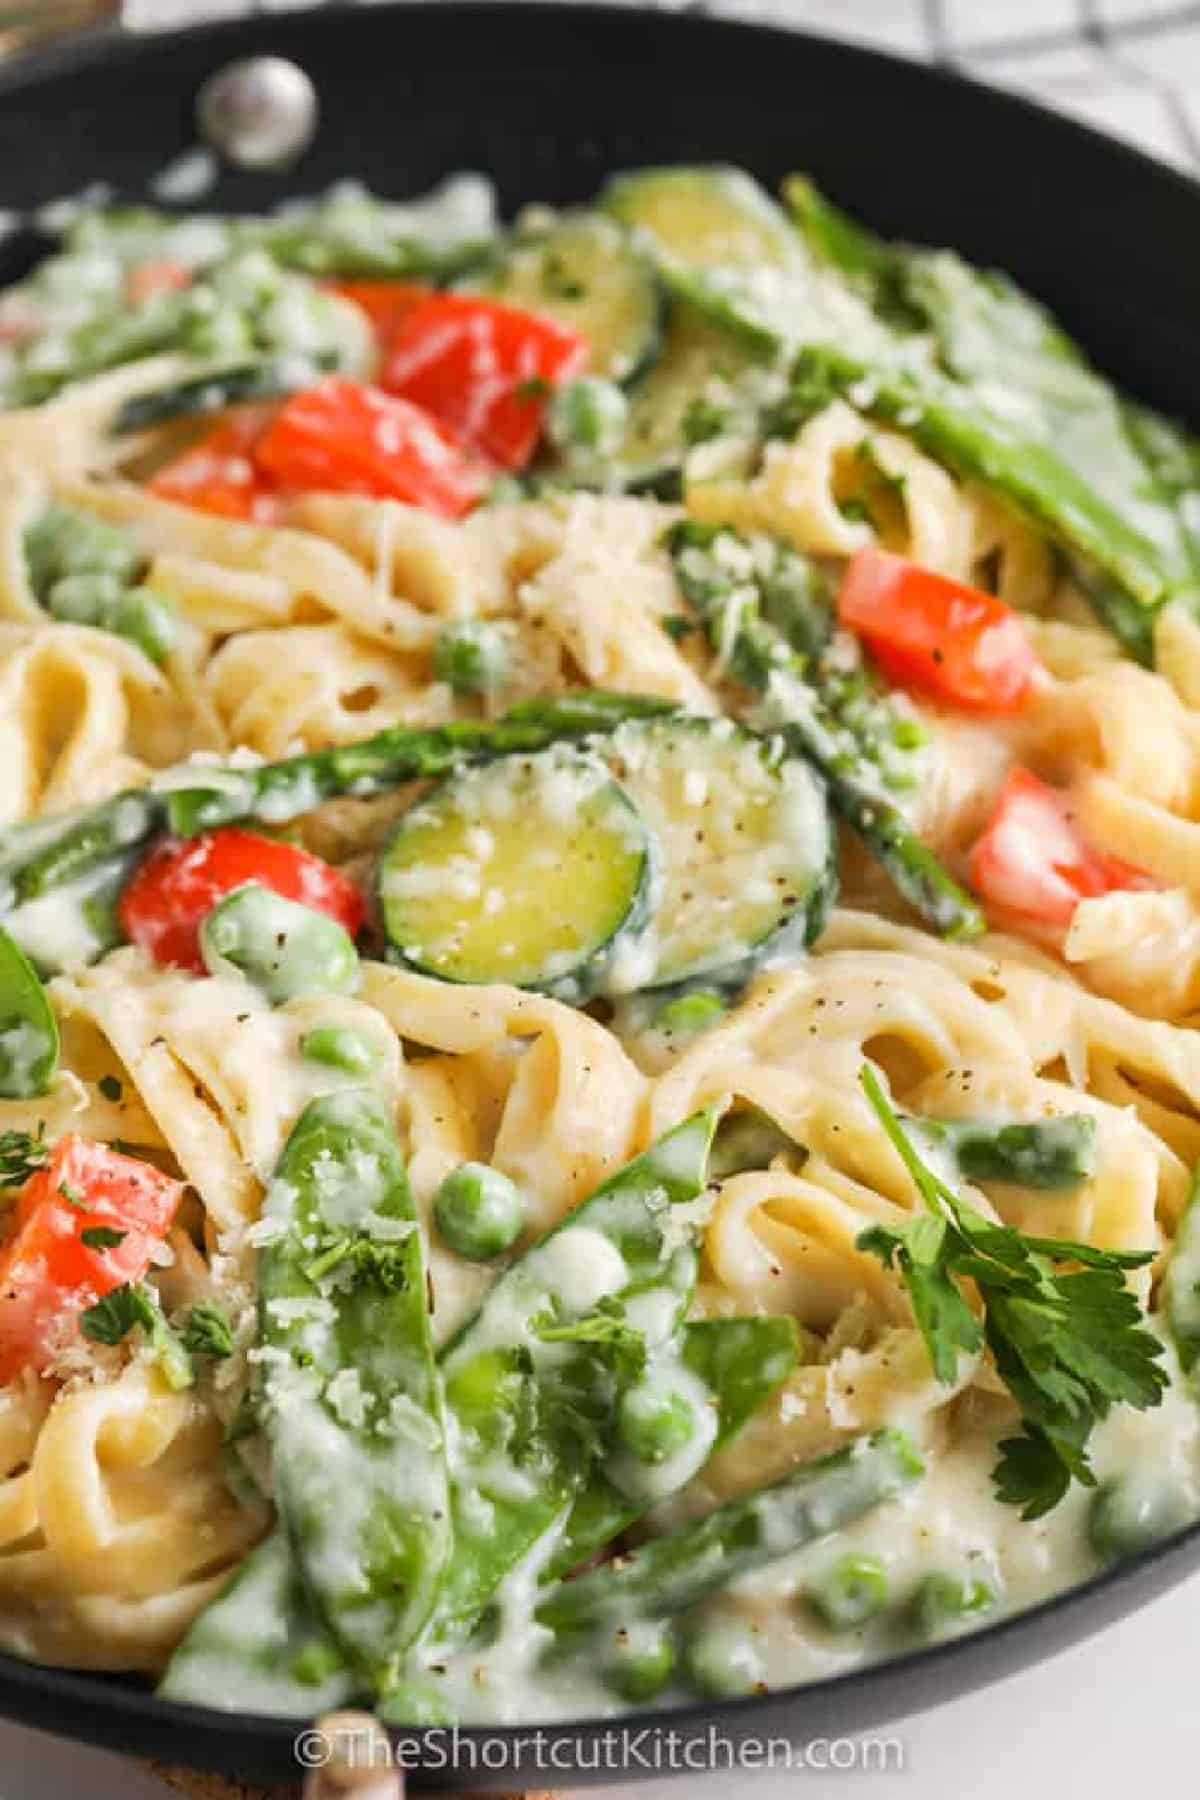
column 350, row 1397
column 740, row 1363
column 533, row 1380
column 260, row 1647
column 28, row 1028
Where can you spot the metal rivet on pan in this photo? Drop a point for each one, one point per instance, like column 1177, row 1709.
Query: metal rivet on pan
column 258, row 113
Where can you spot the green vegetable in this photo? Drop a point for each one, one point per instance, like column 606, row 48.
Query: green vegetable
column 750, row 1139
column 471, row 655
column 1067, row 1346
column 531, row 870
column 103, row 1237
column 350, row 1396
column 533, row 1380
column 949, row 421
column 1054, row 1154
column 134, row 1307
column 110, row 1087
column 275, row 792
column 1181, row 1283
column 740, row 1362
column 655, row 1422
column 480, row 1213
column 690, row 1013
column 1133, row 1513
column 97, row 845
column 589, row 415
column 21, row 1156
column 583, row 271
column 338, row 1047
column 83, row 572
column 199, row 396
column 850, row 1592
column 638, row 1662
column 207, row 1331
column 29, row 1045
column 745, row 850
column 725, row 1661
column 284, row 948
column 260, row 1645
column 667, row 1575
column 852, row 735
column 722, row 244
column 945, row 1603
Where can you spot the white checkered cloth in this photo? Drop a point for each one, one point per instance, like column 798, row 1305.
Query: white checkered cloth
column 1130, row 66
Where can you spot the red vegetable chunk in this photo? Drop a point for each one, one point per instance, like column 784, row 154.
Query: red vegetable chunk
column 925, row 631
column 86, row 1223
column 165, row 904
column 1031, row 859
column 483, row 368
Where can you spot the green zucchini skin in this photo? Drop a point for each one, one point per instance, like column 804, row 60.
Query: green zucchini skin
column 267, row 378
column 494, row 831
column 584, row 272
column 686, row 775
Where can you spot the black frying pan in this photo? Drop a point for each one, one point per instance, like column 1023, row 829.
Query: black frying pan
column 548, row 98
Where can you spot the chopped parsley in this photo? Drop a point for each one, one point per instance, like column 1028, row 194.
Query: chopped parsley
column 208, row 1331
column 21, row 1155
column 72, row 1196
column 133, row 1307
column 110, row 1087
column 102, row 1237
column 384, row 1263
column 1067, row 1345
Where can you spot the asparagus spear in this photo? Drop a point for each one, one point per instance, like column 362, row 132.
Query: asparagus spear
column 51, row 853
column 1053, row 1154
column 531, row 1382
column 279, row 791
column 715, row 570
column 668, row 1574
column 351, row 1399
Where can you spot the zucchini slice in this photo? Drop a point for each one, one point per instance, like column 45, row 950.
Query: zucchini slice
column 529, row 870
column 697, row 380
column 745, row 852
column 584, row 272
column 719, row 241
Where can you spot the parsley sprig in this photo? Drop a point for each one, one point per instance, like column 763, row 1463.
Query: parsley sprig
column 1067, row 1336
column 21, row 1155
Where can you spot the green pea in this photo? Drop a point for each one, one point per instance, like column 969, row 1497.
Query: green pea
column 944, row 1602
column 147, row 619
column 690, row 1013
column 284, row 948
column 851, row 1591
column 654, row 1422
column 471, row 655
column 480, row 1212
column 83, row 599
column 638, row 1660
column 313, row 1665
column 62, row 542
column 339, row 1048
column 725, row 1661
column 1130, row 1514
column 588, row 414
